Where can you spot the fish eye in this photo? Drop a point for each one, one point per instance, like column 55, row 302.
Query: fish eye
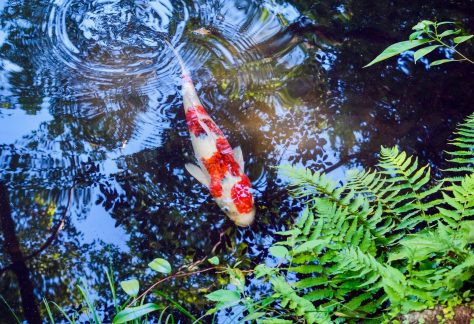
column 226, row 209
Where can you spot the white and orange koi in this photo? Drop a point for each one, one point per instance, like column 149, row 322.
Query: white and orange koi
column 219, row 167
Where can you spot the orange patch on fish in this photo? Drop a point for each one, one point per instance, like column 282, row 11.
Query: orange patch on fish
column 221, row 162
column 241, row 195
column 197, row 115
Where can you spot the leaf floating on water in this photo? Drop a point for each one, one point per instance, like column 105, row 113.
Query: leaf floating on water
column 202, row 31
column 160, row 265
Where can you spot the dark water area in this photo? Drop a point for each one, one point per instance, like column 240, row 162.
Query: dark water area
column 93, row 139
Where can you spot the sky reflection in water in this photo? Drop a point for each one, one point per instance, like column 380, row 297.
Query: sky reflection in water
column 89, row 98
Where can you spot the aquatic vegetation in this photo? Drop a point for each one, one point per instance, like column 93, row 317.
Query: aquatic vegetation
column 132, row 308
column 384, row 242
column 95, row 107
column 428, row 33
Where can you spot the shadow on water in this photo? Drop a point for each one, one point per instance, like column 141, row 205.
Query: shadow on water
column 91, row 118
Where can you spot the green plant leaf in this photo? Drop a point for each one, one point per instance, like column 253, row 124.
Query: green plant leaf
column 214, row 260
column 132, row 313
column 445, row 23
column 279, row 251
column 131, row 287
column 309, row 246
column 398, row 48
column 275, row 321
column 223, row 295
column 462, row 39
column 253, row 316
column 424, row 51
column 176, row 305
column 262, row 270
column 449, row 32
column 160, row 265
column 89, row 302
column 439, row 62
column 416, row 34
column 422, row 24
column 237, row 278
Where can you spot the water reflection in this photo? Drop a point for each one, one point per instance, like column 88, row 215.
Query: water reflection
column 89, row 100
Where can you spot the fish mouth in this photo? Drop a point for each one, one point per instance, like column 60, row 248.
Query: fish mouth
column 245, row 220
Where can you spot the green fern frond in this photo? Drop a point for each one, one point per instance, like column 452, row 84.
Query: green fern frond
column 463, row 150
column 459, row 275
column 459, row 197
column 391, row 279
column 408, row 191
column 304, row 182
column 300, row 306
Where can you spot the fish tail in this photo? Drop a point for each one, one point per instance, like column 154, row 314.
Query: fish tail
column 178, row 56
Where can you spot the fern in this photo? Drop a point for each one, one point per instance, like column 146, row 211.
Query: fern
column 463, row 151
column 386, row 240
column 406, row 192
column 459, row 198
column 301, row 306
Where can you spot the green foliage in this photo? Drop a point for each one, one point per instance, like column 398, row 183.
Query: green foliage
column 10, row 309
column 463, row 152
column 136, row 311
column 383, row 242
column 223, row 295
column 160, row 265
column 214, row 260
column 131, row 287
column 429, row 34
column 133, row 313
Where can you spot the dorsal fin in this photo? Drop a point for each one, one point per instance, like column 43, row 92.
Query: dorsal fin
column 239, row 157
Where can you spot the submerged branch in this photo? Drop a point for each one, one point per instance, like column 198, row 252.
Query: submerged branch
column 19, row 267
column 180, row 274
column 55, row 232
column 174, row 276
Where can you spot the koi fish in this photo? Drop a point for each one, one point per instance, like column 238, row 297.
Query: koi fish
column 219, row 166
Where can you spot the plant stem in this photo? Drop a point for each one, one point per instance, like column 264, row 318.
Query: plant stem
column 437, row 39
column 176, row 275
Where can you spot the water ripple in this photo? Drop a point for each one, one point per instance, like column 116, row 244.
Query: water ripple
column 111, row 39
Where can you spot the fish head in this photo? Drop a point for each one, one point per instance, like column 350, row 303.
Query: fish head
column 237, row 202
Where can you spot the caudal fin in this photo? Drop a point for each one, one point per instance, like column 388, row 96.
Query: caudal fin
column 184, row 70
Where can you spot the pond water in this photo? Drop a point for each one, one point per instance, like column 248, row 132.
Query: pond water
column 93, row 139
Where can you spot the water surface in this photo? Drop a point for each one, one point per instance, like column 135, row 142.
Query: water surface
column 93, row 138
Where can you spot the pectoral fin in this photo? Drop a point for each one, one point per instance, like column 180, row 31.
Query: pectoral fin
column 196, row 172
column 239, row 157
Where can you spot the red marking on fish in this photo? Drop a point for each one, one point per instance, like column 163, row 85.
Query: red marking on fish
column 221, row 162
column 241, row 195
column 230, row 187
column 197, row 115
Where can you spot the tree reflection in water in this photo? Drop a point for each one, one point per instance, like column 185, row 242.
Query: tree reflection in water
column 99, row 111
